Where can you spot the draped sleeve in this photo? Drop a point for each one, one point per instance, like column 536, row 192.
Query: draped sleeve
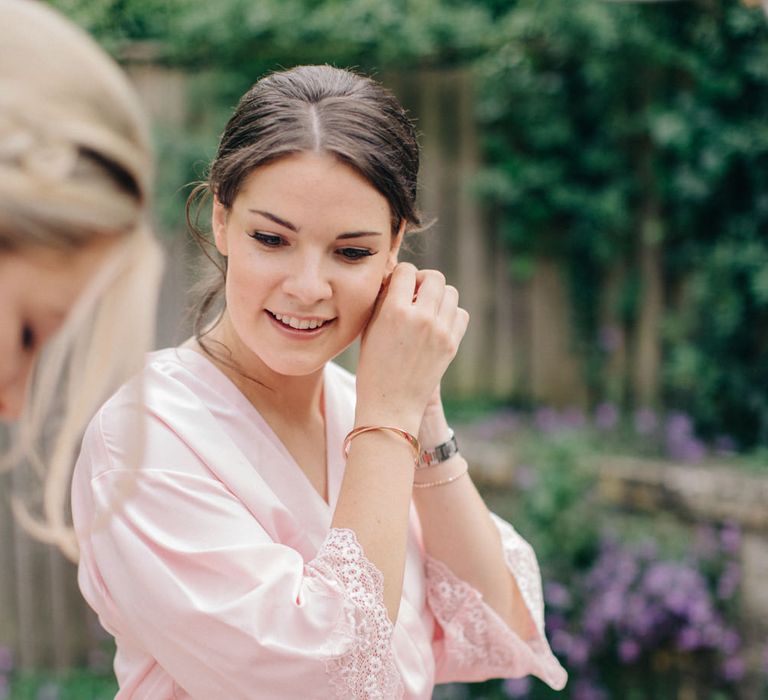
column 472, row 643
column 183, row 574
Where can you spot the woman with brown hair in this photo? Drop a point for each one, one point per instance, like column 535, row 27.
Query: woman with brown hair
column 293, row 530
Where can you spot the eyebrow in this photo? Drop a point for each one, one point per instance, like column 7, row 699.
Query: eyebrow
column 287, row 224
column 357, row 234
column 275, row 218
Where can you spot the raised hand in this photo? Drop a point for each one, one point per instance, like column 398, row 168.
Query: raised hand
column 410, row 340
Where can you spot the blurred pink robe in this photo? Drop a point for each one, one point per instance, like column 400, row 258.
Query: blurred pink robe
column 218, row 574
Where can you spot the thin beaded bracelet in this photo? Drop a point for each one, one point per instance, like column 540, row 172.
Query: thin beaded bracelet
column 410, row 439
column 441, row 482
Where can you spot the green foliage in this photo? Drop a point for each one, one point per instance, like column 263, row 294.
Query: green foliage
column 557, row 510
column 724, row 316
column 76, row 684
column 249, row 38
column 115, row 22
column 359, row 32
column 614, row 128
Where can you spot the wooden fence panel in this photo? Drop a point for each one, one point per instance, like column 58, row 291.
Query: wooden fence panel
column 8, row 618
column 509, row 324
column 43, row 618
column 555, row 372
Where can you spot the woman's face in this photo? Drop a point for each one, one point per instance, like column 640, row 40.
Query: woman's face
column 308, row 242
column 38, row 287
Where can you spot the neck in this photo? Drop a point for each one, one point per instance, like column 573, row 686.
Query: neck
column 297, row 397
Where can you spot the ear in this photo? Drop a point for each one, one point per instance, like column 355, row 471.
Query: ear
column 397, row 241
column 219, row 218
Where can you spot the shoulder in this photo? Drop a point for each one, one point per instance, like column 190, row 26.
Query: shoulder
column 167, row 382
column 158, row 408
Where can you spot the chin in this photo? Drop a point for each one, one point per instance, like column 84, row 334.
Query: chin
column 295, row 367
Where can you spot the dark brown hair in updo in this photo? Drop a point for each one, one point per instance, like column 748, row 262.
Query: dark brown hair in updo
column 311, row 108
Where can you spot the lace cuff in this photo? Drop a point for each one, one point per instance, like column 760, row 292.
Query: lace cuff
column 477, row 643
column 522, row 564
column 366, row 671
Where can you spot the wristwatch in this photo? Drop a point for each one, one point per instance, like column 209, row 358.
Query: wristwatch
column 446, row 450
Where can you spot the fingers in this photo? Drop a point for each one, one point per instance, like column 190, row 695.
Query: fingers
column 413, row 336
column 402, row 283
column 430, row 289
column 449, row 302
column 420, row 287
column 460, row 323
column 427, row 290
column 433, row 294
column 395, row 289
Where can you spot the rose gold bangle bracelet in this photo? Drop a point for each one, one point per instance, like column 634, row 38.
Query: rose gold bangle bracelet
column 410, row 439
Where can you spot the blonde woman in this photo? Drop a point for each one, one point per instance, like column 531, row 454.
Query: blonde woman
column 78, row 265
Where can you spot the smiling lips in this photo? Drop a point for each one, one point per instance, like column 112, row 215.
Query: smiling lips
column 300, row 324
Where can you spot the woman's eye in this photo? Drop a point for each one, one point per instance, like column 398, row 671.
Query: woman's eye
column 27, row 337
column 267, row 239
column 355, row 253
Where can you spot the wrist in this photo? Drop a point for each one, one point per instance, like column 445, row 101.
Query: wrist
column 451, row 470
column 398, row 419
column 434, row 429
column 409, row 438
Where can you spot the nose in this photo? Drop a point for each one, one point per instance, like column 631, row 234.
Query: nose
column 13, row 391
column 307, row 280
column 15, row 368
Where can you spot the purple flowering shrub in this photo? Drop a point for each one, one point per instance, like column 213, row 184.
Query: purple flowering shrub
column 642, row 613
column 636, row 619
column 626, row 615
column 639, row 624
column 643, row 432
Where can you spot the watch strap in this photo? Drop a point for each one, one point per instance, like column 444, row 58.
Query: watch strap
column 444, row 451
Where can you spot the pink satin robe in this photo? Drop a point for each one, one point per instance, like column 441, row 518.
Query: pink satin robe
column 215, row 567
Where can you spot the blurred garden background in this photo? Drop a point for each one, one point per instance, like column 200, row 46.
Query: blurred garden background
column 598, row 175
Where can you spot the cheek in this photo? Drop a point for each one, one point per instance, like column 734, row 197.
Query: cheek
column 14, row 377
column 363, row 292
column 10, row 353
column 245, row 279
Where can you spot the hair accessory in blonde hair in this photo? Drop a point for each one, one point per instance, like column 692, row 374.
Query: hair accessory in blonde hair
column 51, row 161
column 43, row 156
column 13, row 140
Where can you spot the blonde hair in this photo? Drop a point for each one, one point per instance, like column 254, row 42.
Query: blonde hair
column 75, row 164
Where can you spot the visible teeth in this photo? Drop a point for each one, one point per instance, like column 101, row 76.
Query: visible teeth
column 299, row 324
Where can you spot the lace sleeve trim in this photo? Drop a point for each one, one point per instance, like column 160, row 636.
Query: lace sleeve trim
column 367, row 670
column 476, row 639
column 522, row 564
